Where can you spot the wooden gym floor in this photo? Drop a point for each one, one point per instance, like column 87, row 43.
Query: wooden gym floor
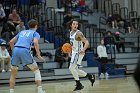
column 114, row 85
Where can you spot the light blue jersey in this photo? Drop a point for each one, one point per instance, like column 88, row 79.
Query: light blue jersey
column 25, row 38
column 21, row 52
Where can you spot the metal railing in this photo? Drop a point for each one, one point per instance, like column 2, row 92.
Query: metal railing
column 138, row 45
column 108, row 7
column 133, row 16
column 50, row 17
column 59, row 16
column 88, row 31
column 124, row 12
column 115, row 7
column 102, row 21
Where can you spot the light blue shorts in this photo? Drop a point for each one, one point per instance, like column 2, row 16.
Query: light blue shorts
column 21, row 56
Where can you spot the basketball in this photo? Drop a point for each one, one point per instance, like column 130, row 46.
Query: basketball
column 67, row 48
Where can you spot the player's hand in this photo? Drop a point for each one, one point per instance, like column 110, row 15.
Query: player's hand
column 41, row 58
column 82, row 52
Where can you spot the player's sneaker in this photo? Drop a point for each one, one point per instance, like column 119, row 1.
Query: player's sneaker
column 92, row 79
column 78, row 87
column 42, row 91
column 102, row 76
column 3, row 70
column 106, row 75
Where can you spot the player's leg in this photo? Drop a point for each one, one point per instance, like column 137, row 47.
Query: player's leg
column 14, row 70
column 38, row 79
column 82, row 73
column 27, row 59
column 74, row 72
column 137, row 74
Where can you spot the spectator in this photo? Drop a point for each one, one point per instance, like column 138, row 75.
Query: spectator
column 128, row 26
column 110, row 21
column 15, row 17
column 117, row 19
column 102, row 54
column 4, row 57
column 109, row 42
column 2, row 14
column 119, row 42
column 67, row 18
column 60, row 57
column 20, row 27
column 8, row 31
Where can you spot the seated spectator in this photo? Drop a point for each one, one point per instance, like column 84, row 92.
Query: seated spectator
column 8, row 31
column 20, row 27
column 4, row 57
column 117, row 19
column 15, row 17
column 67, row 18
column 109, row 42
column 128, row 26
column 119, row 42
column 60, row 57
column 102, row 54
column 110, row 21
column 2, row 14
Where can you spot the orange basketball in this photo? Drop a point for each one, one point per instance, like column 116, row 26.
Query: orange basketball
column 67, row 48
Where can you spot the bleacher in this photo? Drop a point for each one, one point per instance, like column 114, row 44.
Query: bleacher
column 122, row 64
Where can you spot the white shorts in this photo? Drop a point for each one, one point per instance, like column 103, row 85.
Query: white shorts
column 76, row 58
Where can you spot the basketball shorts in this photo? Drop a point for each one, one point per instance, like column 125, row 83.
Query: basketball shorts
column 76, row 58
column 21, row 56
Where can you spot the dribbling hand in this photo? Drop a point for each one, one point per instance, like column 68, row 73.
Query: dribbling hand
column 41, row 58
column 82, row 52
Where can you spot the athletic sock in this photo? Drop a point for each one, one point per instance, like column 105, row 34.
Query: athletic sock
column 39, row 88
column 88, row 76
column 77, row 82
column 11, row 90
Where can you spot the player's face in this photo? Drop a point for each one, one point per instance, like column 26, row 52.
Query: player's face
column 74, row 25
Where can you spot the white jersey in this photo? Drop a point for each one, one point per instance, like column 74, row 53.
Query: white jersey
column 76, row 45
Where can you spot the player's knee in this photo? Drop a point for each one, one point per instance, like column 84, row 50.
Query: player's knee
column 71, row 68
column 14, row 67
column 37, row 75
column 33, row 67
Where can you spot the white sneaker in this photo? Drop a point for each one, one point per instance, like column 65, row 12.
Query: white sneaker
column 42, row 91
column 102, row 76
column 3, row 70
column 106, row 75
column 9, row 70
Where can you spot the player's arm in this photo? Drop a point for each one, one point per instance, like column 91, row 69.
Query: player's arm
column 36, row 45
column 12, row 42
column 81, row 37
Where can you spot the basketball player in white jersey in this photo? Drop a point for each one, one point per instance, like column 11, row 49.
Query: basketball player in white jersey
column 78, row 51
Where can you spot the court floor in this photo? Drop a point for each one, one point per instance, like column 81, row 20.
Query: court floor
column 115, row 85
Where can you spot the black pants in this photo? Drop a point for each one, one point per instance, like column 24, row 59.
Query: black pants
column 103, row 61
column 121, row 45
column 137, row 74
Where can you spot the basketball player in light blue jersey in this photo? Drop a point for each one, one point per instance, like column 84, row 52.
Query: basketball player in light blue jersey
column 21, row 53
column 78, row 51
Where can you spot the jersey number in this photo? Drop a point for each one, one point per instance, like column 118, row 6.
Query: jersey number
column 25, row 34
